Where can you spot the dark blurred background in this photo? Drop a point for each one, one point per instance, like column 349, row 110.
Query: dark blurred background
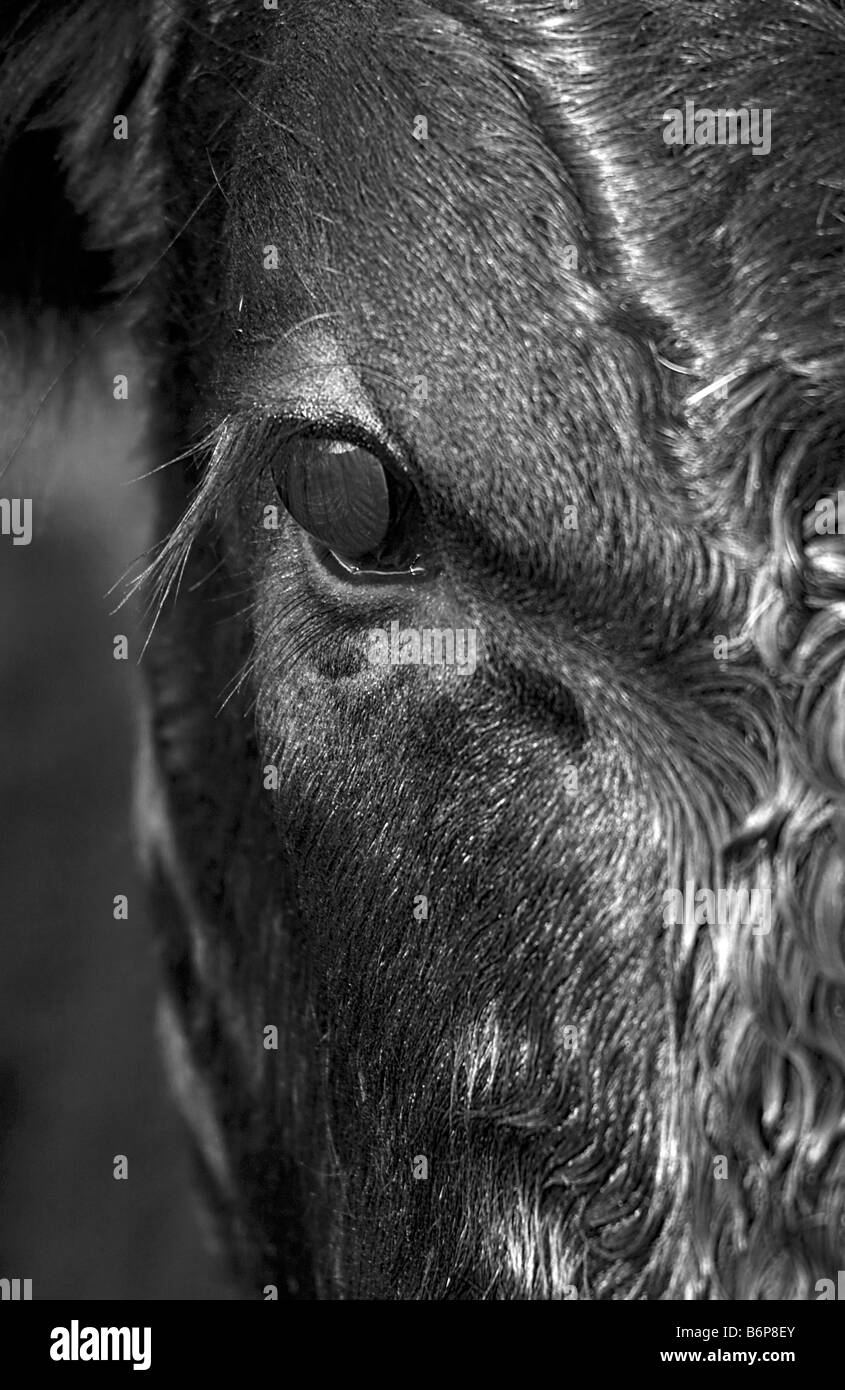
column 80, row 1075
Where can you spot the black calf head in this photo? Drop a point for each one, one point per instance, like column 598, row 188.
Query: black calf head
column 448, row 337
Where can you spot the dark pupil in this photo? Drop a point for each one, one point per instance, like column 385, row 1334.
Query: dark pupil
column 342, row 499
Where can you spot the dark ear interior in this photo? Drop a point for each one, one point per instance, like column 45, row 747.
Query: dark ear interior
column 46, row 261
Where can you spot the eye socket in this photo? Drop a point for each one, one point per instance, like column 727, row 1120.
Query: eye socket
column 347, row 499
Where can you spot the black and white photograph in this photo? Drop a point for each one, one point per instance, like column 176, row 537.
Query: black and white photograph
column 422, row 667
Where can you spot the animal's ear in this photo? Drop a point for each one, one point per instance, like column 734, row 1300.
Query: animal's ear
column 79, row 90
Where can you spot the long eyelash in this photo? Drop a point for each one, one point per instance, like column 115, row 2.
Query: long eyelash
column 164, row 572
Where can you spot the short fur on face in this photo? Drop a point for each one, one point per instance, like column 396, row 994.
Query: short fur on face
column 643, row 339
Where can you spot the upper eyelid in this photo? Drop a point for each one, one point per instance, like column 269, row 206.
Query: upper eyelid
column 307, row 383
column 310, row 379
column 384, row 445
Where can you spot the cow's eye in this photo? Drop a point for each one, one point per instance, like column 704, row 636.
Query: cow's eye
column 362, row 510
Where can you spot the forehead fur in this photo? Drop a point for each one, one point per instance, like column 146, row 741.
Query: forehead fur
column 461, row 260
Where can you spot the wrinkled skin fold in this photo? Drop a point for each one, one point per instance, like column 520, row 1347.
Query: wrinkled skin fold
column 609, row 1105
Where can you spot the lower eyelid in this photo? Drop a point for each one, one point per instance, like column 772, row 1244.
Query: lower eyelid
column 363, row 577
